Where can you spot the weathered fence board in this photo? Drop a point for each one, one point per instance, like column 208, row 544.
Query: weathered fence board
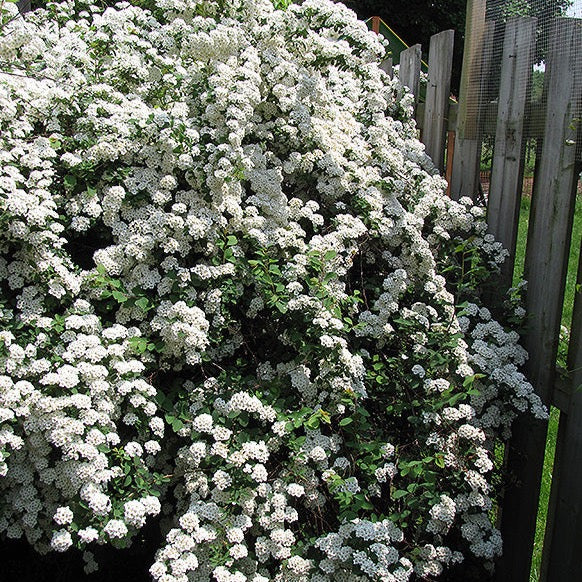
column 545, row 270
column 508, row 160
column 437, row 95
column 465, row 173
column 386, row 66
column 409, row 73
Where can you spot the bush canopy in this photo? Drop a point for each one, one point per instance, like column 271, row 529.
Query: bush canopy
column 235, row 299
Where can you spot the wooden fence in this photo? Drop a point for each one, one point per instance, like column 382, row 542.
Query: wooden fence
column 452, row 133
column 555, row 123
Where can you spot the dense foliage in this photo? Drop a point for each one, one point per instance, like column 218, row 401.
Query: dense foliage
column 234, row 296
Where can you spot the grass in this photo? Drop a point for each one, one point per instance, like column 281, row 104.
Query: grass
column 566, row 321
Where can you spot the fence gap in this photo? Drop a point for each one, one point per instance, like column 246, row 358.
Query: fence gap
column 545, row 269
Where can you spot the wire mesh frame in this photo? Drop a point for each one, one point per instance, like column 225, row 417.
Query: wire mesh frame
column 483, row 54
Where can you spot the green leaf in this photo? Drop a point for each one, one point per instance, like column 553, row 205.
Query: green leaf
column 346, row 421
column 231, row 241
column 139, row 344
column 143, row 304
column 399, row 493
column 325, row 416
column 70, row 180
column 177, row 424
column 119, row 296
column 313, row 422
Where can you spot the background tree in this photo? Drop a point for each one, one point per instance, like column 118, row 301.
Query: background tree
column 417, row 20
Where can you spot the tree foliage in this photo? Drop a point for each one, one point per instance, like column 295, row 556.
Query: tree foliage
column 417, row 20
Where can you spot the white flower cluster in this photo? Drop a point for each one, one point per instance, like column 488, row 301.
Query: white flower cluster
column 222, row 264
column 71, row 408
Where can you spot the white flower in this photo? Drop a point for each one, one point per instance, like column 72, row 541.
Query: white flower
column 151, row 505
column 115, row 528
column 61, row 541
column 134, row 513
column 203, row 423
column 63, row 515
column 88, row 534
column 133, row 449
column 295, row 490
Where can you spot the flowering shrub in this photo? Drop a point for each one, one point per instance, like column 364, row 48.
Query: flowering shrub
column 235, row 296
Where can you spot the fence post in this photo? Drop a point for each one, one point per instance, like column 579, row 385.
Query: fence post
column 464, row 179
column 545, row 269
column 438, row 90
column 507, row 168
column 467, row 161
column 409, row 73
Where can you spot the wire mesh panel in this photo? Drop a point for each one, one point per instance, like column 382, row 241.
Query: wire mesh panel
column 478, row 113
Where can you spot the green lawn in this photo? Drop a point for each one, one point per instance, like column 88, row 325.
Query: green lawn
column 566, row 320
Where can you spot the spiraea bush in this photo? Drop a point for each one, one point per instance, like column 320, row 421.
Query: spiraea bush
column 234, row 296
